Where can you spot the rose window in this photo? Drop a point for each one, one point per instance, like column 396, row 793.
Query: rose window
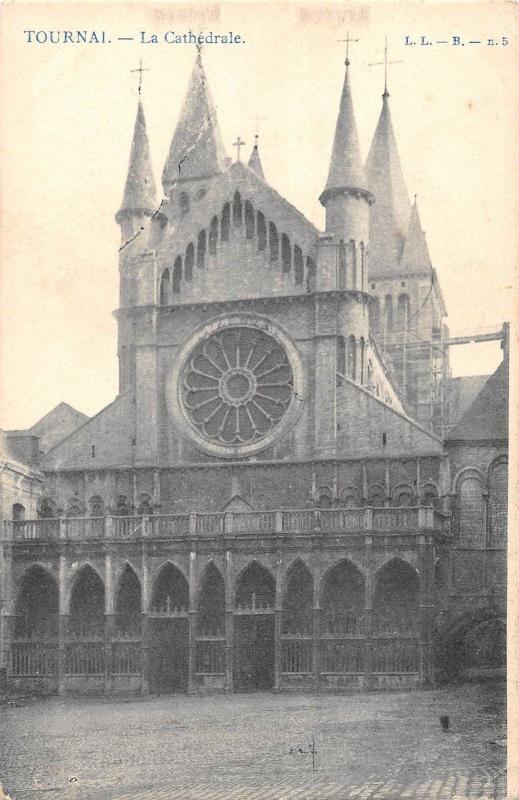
column 237, row 385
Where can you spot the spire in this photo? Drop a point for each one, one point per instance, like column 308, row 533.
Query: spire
column 346, row 170
column 140, row 191
column 415, row 257
column 255, row 160
column 390, row 213
column 197, row 149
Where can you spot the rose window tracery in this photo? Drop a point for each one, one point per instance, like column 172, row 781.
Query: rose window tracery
column 237, row 385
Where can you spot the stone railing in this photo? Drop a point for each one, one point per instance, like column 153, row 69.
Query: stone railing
column 297, row 521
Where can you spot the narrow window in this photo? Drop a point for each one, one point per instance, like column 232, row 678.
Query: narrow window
column 374, row 314
column 18, row 511
column 310, row 273
column 165, row 288
column 183, row 201
column 352, row 358
column 177, row 274
column 274, row 242
column 341, row 355
column 353, row 252
column 262, row 231
column 362, row 360
column 249, row 220
column 403, row 312
column 226, row 222
column 299, row 265
column 93, row 451
column 236, row 210
column 389, row 313
column 189, row 261
column 363, row 263
column 200, row 250
column 213, row 236
column 286, row 253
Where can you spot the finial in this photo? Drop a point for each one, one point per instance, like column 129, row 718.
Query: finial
column 347, row 40
column 238, row 144
column 140, row 70
column 256, row 139
column 385, row 63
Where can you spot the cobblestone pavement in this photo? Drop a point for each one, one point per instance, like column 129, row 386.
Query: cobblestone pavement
column 377, row 747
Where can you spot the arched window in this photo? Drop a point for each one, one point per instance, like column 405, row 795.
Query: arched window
column 273, row 242
column 374, row 314
column 213, row 236
column 87, row 605
column 18, row 511
column 97, row 506
column 237, row 210
column 145, row 508
column 388, row 313
column 471, row 510
column 165, row 288
column 170, row 593
column 183, row 201
column 403, row 312
column 498, row 502
column 350, row 497
column 200, row 250
column 403, row 496
column 177, row 274
column 343, row 600
column 324, row 497
column 37, row 606
column 376, row 497
column 75, row 508
column 352, row 358
column 341, row 355
column 299, row 265
column 249, row 220
column 211, row 614
column 189, row 262
column 226, row 223
column 362, row 358
column 370, row 375
column 47, row 509
column 297, row 618
column 353, row 258
column 262, row 231
column 430, row 495
column 127, row 605
column 255, row 589
column 310, row 273
column 122, row 506
column 286, row 253
column 396, row 600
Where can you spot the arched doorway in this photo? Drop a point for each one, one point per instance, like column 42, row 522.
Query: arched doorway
column 34, row 647
column 342, row 648
column 169, row 621
column 210, row 640
column 297, row 621
column 474, row 646
column 85, row 641
column 127, row 637
column 396, row 618
column 254, row 629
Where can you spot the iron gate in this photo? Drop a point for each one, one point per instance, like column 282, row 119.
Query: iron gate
column 253, row 652
column 169, row 655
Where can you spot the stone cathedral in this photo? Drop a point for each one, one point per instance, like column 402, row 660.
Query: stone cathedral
column 289, row 490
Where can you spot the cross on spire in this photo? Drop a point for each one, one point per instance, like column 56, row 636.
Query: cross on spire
column 386, row 64
column 238, row 144
column 140, row 70
column 348, row 41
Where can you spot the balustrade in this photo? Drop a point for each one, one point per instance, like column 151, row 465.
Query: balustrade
column 297, row 655
column 84, row 658
column 126, row 657
column 33, row 659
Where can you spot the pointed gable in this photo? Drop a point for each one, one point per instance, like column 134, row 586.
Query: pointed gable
column 255, row 161
column 346, row 170
column 140, row 193
column 197, row 149
column 415, row 257
column 486, row 419
column 390, row 213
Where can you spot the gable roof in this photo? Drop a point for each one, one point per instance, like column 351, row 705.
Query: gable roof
column 486, row 419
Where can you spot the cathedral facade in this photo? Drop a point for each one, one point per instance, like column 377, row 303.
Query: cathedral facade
column 276, row 497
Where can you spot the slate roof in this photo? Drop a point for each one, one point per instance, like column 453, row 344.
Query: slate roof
column 486, row 419
column 140, row 192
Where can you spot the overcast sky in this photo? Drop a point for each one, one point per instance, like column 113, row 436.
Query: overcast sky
column 67, row 132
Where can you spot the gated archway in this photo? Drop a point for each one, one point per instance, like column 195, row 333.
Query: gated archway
column 35, row 637
column 342, row 646
column 85, row 643
column 396, row 618
column 297, row 621
column 169, row 631
column 253, row 666
column 210, row 639
column 127, row 636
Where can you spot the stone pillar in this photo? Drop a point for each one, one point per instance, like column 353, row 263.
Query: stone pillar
column 229, row 622
column 325, row 354
column 193, row 613
column 368, row 626
column 62, row 626
column 109, row 623
column 427, row 611
column 145, row 626
column 316, row 631
column 6, row 602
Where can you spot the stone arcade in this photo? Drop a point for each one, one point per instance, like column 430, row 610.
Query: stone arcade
column 289, row 491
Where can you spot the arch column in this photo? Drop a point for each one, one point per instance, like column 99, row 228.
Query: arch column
column 427, row 610
column 278, row 612
column 229, row 622
column 316, row 629
column 145, row 625
column 62, row 625
column 193, row 614
column 369, row 590
column 109, row 622
column 6, row 603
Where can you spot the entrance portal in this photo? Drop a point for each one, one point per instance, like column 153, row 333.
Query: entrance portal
column 253, row 652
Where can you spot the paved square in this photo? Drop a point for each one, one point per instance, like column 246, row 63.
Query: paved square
column 375, row 746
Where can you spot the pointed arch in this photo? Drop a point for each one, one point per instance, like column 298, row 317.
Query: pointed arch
column 37, row 605
column 87, row 604
column 396, row 597
column 388, row 313
column 297, row 600
column 122, row 506
column 18, row 511
column 262, row 230
column 286, row 253
column 324, row 496
column 343, row 599
column 211, row 602
column 273, row 242
column 429, row 494
column 225, row 222
column 299, row 265
column 213, row 236
column 200, row 250
column 351, row 362
column 170, row 590
column 237, row 210
column 403, row 312
column 165, row 288
column 255, row 586
column 128, row 603
column 249, row 220
column 189, row 262
column 145, row 507
column 498, row 500
column 374, row 314
column 177, row 275
column 470, row 507
column 376, row 495
column 350, row 497
column 403, row 495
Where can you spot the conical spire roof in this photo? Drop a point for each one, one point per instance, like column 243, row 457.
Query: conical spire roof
column 197, row 149
column 346, row 170
column 389, row 215
column 255, row 160
column 416, row 256
column 140, row 193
